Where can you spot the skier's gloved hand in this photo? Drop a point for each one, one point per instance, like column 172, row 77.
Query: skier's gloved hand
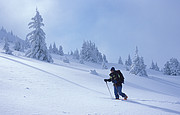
column 105, row 80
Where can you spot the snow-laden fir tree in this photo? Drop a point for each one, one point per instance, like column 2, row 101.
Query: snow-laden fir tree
column 120, row 61
column 54, row 49
column 27, row 44
column 71, row 53
column 128, row 62
column 104, row 59
column 172, row 67
column 60, row 52
column 154, row 66
column 37, row 40
column 50, row 49
column 6, row 47
column 138, row 67
column 76, row 54
column 91, row 53
column 166, row 69
column 99, row 56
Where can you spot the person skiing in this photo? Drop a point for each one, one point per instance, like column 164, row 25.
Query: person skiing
column 117, row 79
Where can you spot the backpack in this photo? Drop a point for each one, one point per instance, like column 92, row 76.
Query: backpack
column 121, row 76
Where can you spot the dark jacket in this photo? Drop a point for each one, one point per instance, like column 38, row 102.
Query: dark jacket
column 115, row 78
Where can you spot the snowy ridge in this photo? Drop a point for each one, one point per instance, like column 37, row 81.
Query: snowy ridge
column 30, row 87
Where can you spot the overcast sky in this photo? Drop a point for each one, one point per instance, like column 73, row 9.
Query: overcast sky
column 116, row 26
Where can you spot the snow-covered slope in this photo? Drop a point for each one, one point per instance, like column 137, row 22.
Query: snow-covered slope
column 32, row 87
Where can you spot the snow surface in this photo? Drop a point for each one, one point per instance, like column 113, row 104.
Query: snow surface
column 32, row 87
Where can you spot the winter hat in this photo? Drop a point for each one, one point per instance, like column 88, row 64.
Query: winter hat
column 112, row 69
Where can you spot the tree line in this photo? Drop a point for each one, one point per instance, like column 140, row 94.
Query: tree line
column 36, row 47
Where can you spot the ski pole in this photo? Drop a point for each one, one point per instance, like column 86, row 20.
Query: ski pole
column 109, row 90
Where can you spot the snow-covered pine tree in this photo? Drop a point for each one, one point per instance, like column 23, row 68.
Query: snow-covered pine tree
column 142, row 70
column 71, row 53
column 172, row 67
column 120, row 61
column 27, row 43
column 37, row 39
column 166, row 69
column 138, row 67
column 91, row 53
column 156, row 67
column 152, row 65
column 129, row 61
column 104, row 58
column 99, row 57
column 60, row 52
column 178, row 70
column 6, row 47
column 85, row 51
column 76, row 54
column 50, row 49
column 54, row 49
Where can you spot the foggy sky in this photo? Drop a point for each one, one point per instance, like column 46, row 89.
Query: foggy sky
column 116, row 26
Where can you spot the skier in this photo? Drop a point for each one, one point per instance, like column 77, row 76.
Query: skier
column 117, row 78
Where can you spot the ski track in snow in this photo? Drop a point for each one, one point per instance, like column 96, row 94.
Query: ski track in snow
column 154, row 107
column 53, row 75
column 164, row 81
column 146, row 89
column 71, row 67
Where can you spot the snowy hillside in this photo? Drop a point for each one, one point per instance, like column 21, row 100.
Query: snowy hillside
column 32, row 87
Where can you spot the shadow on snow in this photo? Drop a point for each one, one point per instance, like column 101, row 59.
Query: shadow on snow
column 53, row 75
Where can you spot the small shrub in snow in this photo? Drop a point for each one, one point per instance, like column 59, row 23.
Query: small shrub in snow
column 19, row 46
column 66, row 60
column 104, row 66
column 93, row 72
column 81, row 61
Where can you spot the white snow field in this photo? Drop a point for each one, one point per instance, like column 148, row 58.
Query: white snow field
column 32, row 87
